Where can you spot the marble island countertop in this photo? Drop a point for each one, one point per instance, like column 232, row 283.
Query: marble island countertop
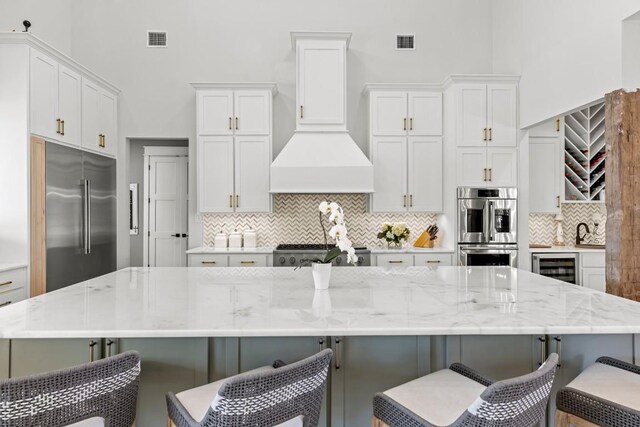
column 235, row 302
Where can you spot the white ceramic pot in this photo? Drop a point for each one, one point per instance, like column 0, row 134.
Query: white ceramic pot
column 321, row 274
column 235, row 240
column 250, row 238
column 220, row 241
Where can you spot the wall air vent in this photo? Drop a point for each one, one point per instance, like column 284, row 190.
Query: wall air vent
column 156, row 39
column 405, row 42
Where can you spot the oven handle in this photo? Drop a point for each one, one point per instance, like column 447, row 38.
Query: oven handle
column 489, row 251
column 492, row 221
column 485, row 220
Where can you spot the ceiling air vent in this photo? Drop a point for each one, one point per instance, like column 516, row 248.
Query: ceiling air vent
column 405, row 42
column 156, row 39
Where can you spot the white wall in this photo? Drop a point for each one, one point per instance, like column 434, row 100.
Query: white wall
column 50, row 20
column 631, row 53
column 248, row 40
column 569, row 52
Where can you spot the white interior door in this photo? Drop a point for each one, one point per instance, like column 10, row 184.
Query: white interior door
column 502, row 113
column 167, row 198
column 425, row 174
column 252, row 112
column 389, row 158
column 389, row 113
column 425, row 113
column 472, row 115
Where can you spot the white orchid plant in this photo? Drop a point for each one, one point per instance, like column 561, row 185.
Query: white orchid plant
column 338, row 232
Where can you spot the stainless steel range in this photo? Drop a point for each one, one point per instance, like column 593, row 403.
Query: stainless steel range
column 290, row 255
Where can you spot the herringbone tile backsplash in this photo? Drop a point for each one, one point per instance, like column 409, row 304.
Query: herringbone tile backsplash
column 542, row 227
column 295, row 220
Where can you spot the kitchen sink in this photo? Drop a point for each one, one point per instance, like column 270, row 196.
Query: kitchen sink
column 590, row 246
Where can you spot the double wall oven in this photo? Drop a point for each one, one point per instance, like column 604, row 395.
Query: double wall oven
column 487, row 226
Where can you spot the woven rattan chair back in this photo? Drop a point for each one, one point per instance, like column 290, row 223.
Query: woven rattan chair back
column 107, row 388
column 266, row 398
column 516, row 402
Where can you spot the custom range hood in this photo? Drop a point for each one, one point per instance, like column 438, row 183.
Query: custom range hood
column 321, row 157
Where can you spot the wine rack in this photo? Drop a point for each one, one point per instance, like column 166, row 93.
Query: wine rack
column 584, row 154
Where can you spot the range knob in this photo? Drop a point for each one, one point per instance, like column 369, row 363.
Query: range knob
column 292, row 260
column 339, row 260
column 282, row 260
column 360, row 260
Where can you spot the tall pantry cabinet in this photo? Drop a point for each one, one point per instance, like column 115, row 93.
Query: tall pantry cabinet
column 234, row 124
column 485, row 130
column 405, row 126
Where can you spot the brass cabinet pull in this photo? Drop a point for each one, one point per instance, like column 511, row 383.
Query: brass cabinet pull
column 336, row 353
column 557, row 201
column 485, row 175
column 490, row 135
column 236, row 123
column 109, row 349
column 558, row 124
column 411, row 123
column 237, row 201
column 230, row 201
column 301, row 112
column 230, row 127
column 490, row 175
column 404, row 201
column 58, row 126
column 395, row 262
column 433, row 261
column 410, row 200
column 247, row 262
column 208, row 262
column 92, row 346
column 62, row 127
column 6, row 283
column 485, row 134
column 404, row 126
column 5, row 303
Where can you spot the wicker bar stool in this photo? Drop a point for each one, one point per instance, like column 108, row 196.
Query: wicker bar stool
column 279, row 395
column 607, row 393
column 459, row 397
column 101, row 393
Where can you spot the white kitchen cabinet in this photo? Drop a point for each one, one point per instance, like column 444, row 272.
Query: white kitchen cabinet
column 405, row 147
column 433, row 260
column 43, row 92
column 13, row 286
column 234, row 146
column 321, row 65
column 207, row 260
column 69, row 102
column 215, row 174
column 550, row 128
column 545, row 175
column 486, row 115
column 389, row 158
column 594, row 278
column 394, row 260
column 248, row 260
column 487, row 167
column 99, row 116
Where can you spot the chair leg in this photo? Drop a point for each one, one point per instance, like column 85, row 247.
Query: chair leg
column 376, row 422
column 170, row 422
column 564, row 419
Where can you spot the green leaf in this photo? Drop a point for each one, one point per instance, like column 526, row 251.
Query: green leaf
column 331, row 255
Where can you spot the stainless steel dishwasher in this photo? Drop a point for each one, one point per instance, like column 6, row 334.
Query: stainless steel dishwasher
column 560, row 266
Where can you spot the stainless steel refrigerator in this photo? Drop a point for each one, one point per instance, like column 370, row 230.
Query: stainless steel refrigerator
column 80, row 215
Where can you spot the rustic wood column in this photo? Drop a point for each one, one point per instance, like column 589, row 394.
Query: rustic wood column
column 622, row 168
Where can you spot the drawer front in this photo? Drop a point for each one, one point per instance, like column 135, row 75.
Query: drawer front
column 399, row 260
column 13, row 279
column 588, row 259
column 426, row 260
column 205, row 260
column 12, row 296
column 247, row 260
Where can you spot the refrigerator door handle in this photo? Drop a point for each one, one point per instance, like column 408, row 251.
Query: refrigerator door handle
column 87, row 216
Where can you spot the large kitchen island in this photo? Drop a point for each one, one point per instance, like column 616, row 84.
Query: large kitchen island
column 386, row 326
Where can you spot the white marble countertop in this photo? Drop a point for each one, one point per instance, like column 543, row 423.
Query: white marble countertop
column 411, row 250
column 9, row 267
column 235, row 302
column 565, row 249
column 222, row 251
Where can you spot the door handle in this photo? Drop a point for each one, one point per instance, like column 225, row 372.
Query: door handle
column 411, row 123
column 485, row 134
column 404, row 201
column 109, row 348
column 395, row 262
column 410, row 200
column 558, row 125
column 557, row 201
column 404, row 126
column 230, row 201
column 92, row 353
column 208, row 262
column 175, row 235
column 230, row 127
column 237, row 201
column 236, row 123
column 490, row 175
column 5, row 304
column 247, row 262
column 431, row 261
column 6, row 283
column 321, row 343
column 62, row 124
column 558, row 340
column 485, row 175
column 336, row 354
column 185, row 235
column 87, row 217
column 58, row 126
column 543, row 349
column 490, row 135
column 301, row 112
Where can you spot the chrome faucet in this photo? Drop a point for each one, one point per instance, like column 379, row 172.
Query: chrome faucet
column 580, row 239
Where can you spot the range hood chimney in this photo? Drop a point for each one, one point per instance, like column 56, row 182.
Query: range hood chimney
column 321, row 157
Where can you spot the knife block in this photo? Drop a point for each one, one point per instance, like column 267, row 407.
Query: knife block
column 423, row 241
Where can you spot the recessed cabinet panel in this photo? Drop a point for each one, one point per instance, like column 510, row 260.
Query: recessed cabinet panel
column 425, row 113
column 252, row 174
column 389, row 113
column 471, row 167
column 43, row 94
column 545, row 176
column 69, row 101
column 594, row 278
column 321, row 83
column 389, row 158
column 252, row 113
column 107, row 122
column 215, row 112
column 503, row 167
column 502, row 115
column 425, row 174
column 215, row 173
column 90, row 115
column 472, row 115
